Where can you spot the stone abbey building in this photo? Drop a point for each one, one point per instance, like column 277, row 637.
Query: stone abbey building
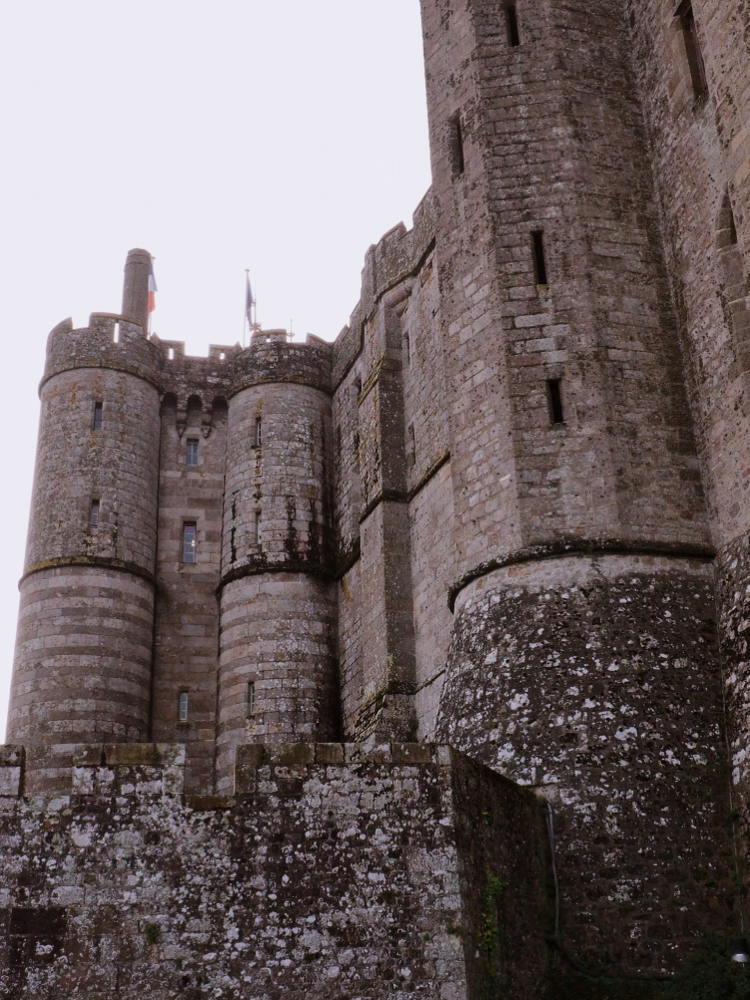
column 415, row 663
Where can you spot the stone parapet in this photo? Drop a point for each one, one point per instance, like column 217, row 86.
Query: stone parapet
column 109, row 341
column 273, row 359
column 116, row 342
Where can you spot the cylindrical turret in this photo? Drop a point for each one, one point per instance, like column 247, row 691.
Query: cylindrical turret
column 82, row 670
column 277, row 675
column 135, row 287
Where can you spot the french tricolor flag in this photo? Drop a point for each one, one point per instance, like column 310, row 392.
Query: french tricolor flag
column 152, row 289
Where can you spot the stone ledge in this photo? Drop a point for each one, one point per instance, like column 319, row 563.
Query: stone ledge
column 86, row 769
column 158, row 768
column 250, row 757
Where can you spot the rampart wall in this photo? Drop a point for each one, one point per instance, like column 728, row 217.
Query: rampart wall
column 330, row 873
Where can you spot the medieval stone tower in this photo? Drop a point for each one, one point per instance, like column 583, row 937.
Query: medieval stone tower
column 414, row 663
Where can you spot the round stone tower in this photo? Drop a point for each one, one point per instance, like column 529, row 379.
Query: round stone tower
column 277, row 668
column 82, row 670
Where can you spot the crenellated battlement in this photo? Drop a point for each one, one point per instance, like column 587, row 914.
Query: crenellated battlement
column 115, row 342
column 396, row 256
column 109, row 341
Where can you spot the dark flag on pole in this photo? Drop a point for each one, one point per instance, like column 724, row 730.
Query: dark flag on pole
column 249, row 302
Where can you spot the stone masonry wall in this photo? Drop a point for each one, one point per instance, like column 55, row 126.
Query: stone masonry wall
column 597, row 682
column 76, row 464
column 552, row 142
column 697, row 145
column 82, row 665
column 700, row 160
column 391, row 449
column 331, row 874
column 278, row 634
column 186, row 643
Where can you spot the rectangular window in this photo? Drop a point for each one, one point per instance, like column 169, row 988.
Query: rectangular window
column 182, row 706
column 540, row 263
column 258, row 431
column 188, row 543
column 116, row 334
column 458, row 161
column 411, row 445
column 258, row 528
column 555, row 401
column 94, row 513
column 513, row 36
column 191, row 454
column 693, row 49
column 251, row 699
column 98, row 407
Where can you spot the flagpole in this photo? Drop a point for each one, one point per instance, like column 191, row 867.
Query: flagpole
column 244, row 313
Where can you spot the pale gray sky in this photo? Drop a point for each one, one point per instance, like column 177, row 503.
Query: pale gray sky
column 284, row 137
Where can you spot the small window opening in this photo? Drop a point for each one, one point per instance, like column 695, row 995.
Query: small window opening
column 407, row 348
column 259, row 431
column 555, row 401
column 191, row 452
column 171, row 353
column 540, row 263
column 97, row 424
column 358, row 387
column 94, row 513
column 251, row 699
column 222, row 356
column 183, row 703
column 189, row 543
column 458, row 161
column 512, row 15
column 116, row 334
column 732, row 228
column 726, row 226
column 411, row 446
column 693, row 49
column 258, row 528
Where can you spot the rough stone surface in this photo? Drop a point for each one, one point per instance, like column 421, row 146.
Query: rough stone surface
column 332, row 873
column 596, row 682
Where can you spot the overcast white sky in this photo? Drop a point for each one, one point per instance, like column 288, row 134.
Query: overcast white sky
column 283, row 137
